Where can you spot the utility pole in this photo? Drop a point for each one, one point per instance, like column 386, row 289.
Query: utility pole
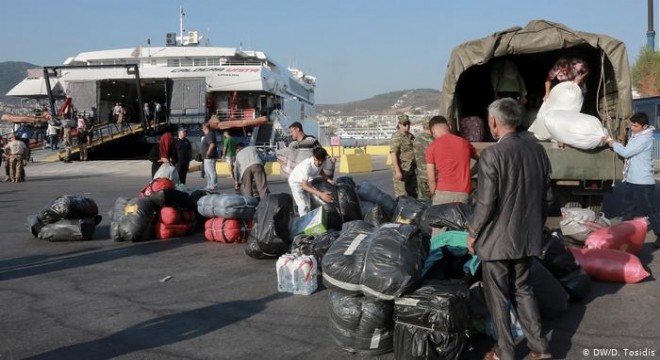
column 650, row 33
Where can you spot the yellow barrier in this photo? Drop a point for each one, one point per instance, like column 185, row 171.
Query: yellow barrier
column 273, row 168
column 355, row 163
column 353, row 151
column 378, row 149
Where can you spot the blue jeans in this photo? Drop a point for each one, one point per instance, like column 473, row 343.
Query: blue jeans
column 638, row 200
column 210, row 174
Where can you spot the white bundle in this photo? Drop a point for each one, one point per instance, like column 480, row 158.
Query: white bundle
column 578, row 130
column 565, row 96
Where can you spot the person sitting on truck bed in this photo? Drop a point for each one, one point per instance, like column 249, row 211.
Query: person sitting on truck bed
column 566, row 70
column 638, row 177
column 507, row 81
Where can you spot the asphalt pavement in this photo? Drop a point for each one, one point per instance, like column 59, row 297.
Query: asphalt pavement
column 101, row 299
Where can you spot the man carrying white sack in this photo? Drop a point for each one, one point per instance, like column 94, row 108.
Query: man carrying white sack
column 638, row 177
column 299, row 179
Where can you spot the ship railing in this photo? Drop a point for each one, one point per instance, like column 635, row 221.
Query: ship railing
column 247, row 113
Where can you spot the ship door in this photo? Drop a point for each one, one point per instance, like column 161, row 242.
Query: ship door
column 187, row 101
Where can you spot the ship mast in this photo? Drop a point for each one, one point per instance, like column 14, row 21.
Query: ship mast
column 181, row 15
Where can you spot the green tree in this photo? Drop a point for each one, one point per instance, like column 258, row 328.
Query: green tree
column 646, row 73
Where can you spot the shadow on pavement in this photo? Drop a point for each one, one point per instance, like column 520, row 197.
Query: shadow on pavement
column 164, row 330
column 40, row 178
column 57, row 262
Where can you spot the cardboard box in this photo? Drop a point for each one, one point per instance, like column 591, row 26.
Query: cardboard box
column 314, row 222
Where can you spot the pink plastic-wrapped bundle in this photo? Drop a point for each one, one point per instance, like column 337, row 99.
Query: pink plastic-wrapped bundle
column 610, row 265
column 627, row 236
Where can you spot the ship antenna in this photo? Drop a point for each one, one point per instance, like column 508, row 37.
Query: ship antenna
column 181, row 15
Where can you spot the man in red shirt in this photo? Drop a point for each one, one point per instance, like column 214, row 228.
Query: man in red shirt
column 448, row 164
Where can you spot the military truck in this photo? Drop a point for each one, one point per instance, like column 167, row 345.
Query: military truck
column 579, row 177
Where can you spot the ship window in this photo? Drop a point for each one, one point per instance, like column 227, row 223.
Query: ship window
column 173, row 63
column 200, row 61
column 213, row 61
column 186, row 62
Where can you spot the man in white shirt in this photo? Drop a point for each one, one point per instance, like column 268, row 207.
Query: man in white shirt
column 299, row 179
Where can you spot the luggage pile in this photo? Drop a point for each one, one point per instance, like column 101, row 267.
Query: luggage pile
column 159, row 212
column 229, row 216
column 67, row 218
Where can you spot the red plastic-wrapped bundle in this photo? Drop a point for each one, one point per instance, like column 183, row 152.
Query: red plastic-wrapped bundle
column 156, row 185
column 168, row 231
column 610, row 265
column 627, row 236
column 226, row 230
column 169, row 215
column 472, row 128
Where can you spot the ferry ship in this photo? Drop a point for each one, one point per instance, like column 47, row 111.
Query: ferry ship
column 190, row 81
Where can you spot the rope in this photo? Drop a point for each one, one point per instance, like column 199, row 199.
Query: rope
column 606, row 118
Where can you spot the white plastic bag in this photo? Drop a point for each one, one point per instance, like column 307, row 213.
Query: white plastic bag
column 578, row 130
column 571, row 222
column 565, row 96
column 169, row 172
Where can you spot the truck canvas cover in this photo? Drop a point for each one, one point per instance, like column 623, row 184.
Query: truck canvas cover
column 537, row 46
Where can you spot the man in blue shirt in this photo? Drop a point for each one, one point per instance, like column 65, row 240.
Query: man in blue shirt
column 638, row 176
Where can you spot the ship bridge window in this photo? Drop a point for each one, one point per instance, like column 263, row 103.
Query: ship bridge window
column 173, row 63
column 213, row 61
column 186, row 62
column 199, row 61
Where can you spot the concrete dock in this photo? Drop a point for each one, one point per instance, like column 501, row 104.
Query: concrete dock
column 101, row 299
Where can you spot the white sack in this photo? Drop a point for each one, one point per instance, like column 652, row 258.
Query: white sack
column 578, row 130
column 564, row 96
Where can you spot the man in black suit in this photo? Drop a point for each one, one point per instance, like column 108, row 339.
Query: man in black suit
column 507, row 228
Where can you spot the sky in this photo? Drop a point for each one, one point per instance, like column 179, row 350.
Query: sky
column 356, row 48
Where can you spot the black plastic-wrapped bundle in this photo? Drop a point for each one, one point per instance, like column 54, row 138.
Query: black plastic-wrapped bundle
column 173, row 198
column 270, row 236
column 347, row 198
column 135, row 221
column 316, row 245
column 335, row 218
column 360, row 324
column 555, row 257
column 577, row 284
column 116, row 215
column 229, row 206
column 68, row 207
column 550, row 295
column 408, row 210
column 562, row 264
column 454, row 216
column 34, row 225
column 376, row 215
column 369, row 192
column 386, row 263
column 346, row 256
column 432, row 322
column 70, row 229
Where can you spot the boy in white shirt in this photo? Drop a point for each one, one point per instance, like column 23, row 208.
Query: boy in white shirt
column 299, row 179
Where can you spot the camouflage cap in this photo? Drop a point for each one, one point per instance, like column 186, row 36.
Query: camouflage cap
column 403, row 119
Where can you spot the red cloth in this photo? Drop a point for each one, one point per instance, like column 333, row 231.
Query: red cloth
column 166, row 146
column 451, row 156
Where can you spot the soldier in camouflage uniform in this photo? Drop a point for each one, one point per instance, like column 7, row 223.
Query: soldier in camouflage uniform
column 403, row 159
column 422, row 141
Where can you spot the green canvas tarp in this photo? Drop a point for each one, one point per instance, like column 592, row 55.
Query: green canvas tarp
column 537, row 37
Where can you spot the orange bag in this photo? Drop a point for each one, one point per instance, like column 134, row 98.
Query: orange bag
column 610, row 265
column 170, row 215
column 164, row 231
column 226, row 230
column 627, row 236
